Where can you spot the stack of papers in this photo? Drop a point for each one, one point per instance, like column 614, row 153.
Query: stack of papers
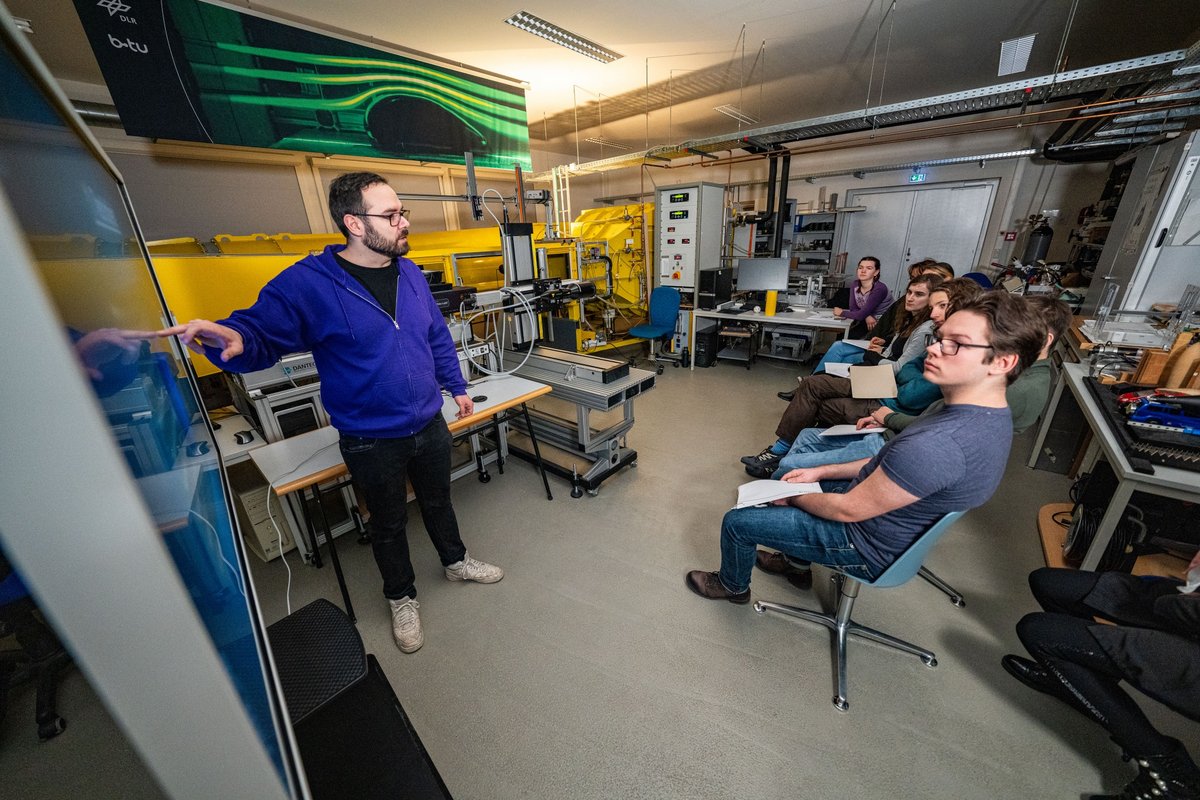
column 759, row 493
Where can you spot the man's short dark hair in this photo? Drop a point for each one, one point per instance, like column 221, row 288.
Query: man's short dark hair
column 1013, row 327
column 873, row 260
column 1054, row 313
column 345, row 196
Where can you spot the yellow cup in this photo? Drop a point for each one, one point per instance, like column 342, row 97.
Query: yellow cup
column 772, row 299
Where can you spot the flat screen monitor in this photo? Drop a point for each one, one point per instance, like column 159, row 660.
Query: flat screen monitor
column 763, row 274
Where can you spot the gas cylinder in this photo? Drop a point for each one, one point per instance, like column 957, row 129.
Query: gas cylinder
column 1038, row 244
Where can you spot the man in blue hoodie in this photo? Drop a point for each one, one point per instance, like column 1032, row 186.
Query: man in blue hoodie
column 384, row 354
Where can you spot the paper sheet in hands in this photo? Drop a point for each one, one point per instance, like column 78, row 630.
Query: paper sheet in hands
column 757, row 493
column 872, row 383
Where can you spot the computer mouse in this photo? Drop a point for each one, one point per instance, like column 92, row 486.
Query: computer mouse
column 244, row 437
column 197, row 449
column 479, row 398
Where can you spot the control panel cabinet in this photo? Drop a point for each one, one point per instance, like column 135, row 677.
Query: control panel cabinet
column 689, row 225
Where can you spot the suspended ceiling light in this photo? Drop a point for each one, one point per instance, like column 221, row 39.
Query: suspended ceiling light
column 736, row 113
column 600, row 140
column 1014, row 54
column 560, row 36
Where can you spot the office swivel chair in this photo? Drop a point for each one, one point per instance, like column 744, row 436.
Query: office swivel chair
column 980, row 278
column 664, row 313
column 902, row 570
column 38, row 656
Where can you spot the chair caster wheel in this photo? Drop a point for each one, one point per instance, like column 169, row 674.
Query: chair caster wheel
column 593, row 492
column 484, row 477
column 759, row 608
column 841, row 704
column 48, row 730
column 929, row 662
column 576, row 491
column 660, row 369
column 958, row 602
column 675, row 364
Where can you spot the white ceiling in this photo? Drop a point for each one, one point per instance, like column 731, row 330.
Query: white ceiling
column 796, row 58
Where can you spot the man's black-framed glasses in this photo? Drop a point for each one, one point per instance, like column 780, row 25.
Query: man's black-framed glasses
column 950, row 347
column 392, row 218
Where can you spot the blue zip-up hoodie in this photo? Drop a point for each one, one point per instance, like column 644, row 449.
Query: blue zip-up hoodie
column 380, row 378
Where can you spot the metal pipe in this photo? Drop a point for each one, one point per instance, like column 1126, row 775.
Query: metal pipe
column 781, row 218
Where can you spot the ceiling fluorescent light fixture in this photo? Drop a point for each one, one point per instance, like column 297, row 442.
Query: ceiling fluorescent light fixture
column 1014, row 54
column 736, row 113
column 560, row 36
column 600, row 140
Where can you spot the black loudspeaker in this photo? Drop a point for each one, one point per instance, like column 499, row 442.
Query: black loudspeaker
column 715, row 287
column 706, row 348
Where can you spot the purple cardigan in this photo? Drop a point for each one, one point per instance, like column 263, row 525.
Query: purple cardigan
column 872, row 304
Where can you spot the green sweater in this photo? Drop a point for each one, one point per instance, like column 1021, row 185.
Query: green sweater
column 1026, row 398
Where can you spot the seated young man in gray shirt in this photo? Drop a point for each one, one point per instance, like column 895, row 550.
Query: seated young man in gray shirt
column 870, row 511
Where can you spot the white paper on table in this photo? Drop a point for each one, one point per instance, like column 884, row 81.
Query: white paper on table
column 757, row 493
column 838, row 368
column 849, row 430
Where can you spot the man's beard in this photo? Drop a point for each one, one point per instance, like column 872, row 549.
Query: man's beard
column 385, row 247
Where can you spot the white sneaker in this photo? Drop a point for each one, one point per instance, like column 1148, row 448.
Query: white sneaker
column 406, row 624
column 470, row 569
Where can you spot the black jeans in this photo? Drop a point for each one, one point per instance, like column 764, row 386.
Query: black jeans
column 379, row 468
column 1061, row 640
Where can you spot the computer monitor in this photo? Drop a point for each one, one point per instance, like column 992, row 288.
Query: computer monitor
column 763, row 274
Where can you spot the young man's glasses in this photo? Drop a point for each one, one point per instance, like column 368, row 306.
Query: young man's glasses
column 950, row 347
column 392, row 218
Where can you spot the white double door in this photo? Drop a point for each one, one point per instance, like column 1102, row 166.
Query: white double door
column 903, row 225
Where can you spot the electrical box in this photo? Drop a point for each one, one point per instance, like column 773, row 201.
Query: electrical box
column 689, row 223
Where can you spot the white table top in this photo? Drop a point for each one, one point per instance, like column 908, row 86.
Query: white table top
column 301, row 458
column 796, row 315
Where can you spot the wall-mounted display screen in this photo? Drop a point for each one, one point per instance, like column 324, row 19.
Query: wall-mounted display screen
column 192, row 70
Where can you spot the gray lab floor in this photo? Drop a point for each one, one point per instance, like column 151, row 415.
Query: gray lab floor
column 591, row 672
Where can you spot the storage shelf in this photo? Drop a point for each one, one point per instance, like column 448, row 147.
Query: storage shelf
column 1053, row 535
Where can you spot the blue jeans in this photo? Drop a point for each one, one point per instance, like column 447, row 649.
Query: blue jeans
column 795, row 533
column 379, row 468
column 840, row 353
column 811, row 449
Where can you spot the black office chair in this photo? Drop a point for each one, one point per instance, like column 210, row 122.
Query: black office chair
column 29, row 651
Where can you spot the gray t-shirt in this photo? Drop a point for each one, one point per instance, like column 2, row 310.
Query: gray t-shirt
column 953, row 460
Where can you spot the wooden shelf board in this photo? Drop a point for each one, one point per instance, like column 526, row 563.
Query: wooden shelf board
column 1053, row 535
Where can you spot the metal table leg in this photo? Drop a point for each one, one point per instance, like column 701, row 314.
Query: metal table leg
column 333, row 553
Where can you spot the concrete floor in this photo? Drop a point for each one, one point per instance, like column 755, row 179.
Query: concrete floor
column 591, row 672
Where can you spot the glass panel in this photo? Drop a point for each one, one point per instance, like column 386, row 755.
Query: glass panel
column 76, row 222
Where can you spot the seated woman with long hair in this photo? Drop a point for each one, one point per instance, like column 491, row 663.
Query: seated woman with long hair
column 900, row 334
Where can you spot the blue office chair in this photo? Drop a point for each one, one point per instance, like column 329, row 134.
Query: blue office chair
column 902, row 570
column 664, row 312
column 40, row 656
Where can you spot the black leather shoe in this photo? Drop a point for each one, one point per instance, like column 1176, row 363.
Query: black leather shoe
column 707, row 584
column 762, row 473
column 778, row 564
column 1032, row 674
column 786, row 396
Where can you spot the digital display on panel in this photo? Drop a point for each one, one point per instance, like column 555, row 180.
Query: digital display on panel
column 196, row 71
column 680, row 214
column 74, row 217
column 679, row 197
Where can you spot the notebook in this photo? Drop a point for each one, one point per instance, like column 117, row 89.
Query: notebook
column 872, row 383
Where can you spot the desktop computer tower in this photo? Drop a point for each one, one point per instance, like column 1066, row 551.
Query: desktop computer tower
column 707, row 344
column 715, row 287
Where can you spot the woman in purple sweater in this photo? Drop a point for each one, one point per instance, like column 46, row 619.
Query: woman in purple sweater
column 868, row 298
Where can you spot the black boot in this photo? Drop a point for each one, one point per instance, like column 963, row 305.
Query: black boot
column 1170, row 776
